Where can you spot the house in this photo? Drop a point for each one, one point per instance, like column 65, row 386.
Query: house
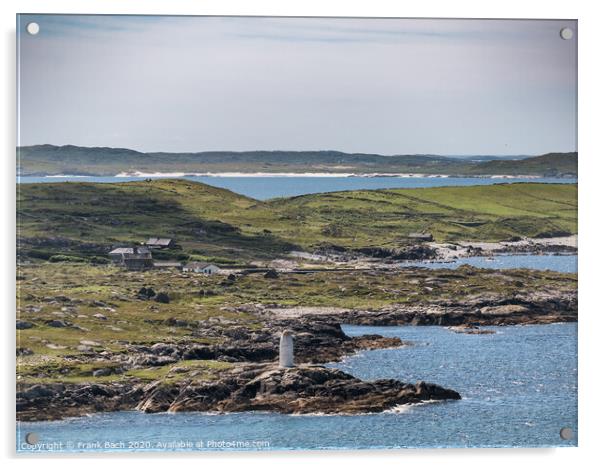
column 118, row 255
column 138, row 262
column 158, row 243
column 167, row 265
column 204, row 268
column 421, row 237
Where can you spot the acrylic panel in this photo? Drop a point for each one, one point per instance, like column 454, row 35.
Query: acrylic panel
column 274, row 233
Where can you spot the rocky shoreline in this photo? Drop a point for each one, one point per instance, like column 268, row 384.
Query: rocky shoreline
column 305, row 389
column 433, row 251
column 254, row 382
column 112, row 348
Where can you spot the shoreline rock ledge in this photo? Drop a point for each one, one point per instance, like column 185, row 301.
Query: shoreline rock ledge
column 317, row 389
column 303, row 389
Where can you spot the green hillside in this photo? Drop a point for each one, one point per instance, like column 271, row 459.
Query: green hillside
column 93, row 217
column 386, row 217
column 86, row 219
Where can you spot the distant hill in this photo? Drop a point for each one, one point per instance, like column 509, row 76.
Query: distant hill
column 549, row 165
column 76, row 160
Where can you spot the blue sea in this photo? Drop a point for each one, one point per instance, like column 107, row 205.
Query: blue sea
column 549, row 262
column 518, row 387
column 263, row 188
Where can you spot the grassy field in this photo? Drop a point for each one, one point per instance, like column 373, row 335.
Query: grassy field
column 83, row 220
column 386, row 217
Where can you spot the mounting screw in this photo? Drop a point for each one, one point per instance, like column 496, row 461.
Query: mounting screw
column 32, row 438
column 566, row 33
column 33, row 28
column 566, row 433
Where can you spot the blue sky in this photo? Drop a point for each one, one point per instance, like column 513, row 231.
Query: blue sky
column 388, row 86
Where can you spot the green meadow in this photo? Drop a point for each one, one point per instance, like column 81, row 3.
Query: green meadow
column 82, row 221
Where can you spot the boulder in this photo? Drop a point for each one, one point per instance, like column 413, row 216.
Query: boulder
column 271, row 274
column 55, row 323
column 102, row 372
column 164, row 349
column 198, row 352
column 146, row 293
column 24, row 324
column 162, row 297
column 40, row 391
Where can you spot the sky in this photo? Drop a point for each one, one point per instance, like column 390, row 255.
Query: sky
column 385, row 86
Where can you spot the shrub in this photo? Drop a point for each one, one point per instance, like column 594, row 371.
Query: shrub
column 66, row 259
column 39, row 254
column 99, row 260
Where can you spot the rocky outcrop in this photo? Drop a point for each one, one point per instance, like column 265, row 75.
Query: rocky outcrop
column 314, row 389
column 298, row 390
column 316, row 341
column 56, row 401
column 481, row 311
column 407, row 253
column 469, row 329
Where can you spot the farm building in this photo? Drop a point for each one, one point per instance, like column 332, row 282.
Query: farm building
column 204, row 268
column 139, row 260
column 118, row 255
column 155, row 242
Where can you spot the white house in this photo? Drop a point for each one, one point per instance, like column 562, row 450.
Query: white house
column 204, row 268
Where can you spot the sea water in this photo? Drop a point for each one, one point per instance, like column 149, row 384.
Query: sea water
column 263, row 188
column 518, row 388
column 544, row 262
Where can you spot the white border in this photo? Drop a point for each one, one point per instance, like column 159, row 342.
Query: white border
column 590, row 25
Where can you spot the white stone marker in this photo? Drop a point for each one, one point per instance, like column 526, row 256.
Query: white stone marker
column 286, row 349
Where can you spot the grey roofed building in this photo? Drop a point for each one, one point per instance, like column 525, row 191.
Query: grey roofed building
column 155, row 242
column 129, row 251
column 121, row 254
